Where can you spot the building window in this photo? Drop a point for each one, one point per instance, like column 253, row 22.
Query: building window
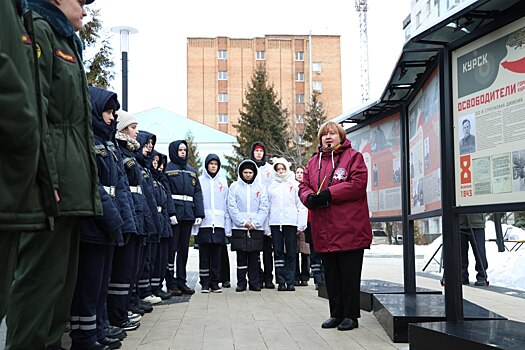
column 299, row 76
column 299, row 98
column 418, row 19
column 299, row 119
column 261, row 55
column 223, row 97
column 317, row 67
column 299, row 56
column 223, row 118
column 223, row 54
column 318, row 86
column 223, row 75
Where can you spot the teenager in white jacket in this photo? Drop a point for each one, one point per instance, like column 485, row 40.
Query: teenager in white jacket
column 248, row 208
column 285, row 220
column 265, row 174
column 214, row 226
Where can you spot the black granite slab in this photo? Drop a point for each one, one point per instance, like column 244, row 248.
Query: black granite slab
column 467, row 335
column 395, row 311
column 371, row 287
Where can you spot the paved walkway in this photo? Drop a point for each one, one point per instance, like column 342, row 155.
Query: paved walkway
column 280, row 320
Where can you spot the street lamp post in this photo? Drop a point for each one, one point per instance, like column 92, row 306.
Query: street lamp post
column 124, row 46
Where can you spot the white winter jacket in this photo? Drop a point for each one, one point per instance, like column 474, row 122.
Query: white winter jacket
column 285, row 205
column 265, row 174
column 247, row 202
column 215, row 196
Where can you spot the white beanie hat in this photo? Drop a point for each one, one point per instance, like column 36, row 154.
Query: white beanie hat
column 125, row 119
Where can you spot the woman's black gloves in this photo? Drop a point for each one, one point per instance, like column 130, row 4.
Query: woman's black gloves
column 321, row 200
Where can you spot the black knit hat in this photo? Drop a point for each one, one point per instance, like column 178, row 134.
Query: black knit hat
column 248, row 164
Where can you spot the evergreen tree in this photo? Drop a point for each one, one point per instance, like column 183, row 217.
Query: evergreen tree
column 313, row 120
column 193, row 153
column 262, row 118
column 99, row 67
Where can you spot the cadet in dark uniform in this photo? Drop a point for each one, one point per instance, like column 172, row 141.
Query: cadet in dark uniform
column 146, row 264
column 25, row 180
column 98, row 235
column 166, row 209
column 187, row 197
column 125, row 257
column 48, row 262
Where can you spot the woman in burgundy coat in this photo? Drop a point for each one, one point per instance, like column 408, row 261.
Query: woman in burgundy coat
column 334, row 189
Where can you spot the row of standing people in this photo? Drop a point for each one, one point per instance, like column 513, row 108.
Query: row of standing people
column 149, row 206
column 261, row 211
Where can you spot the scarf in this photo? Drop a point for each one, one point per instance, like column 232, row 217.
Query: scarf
column 131, row 144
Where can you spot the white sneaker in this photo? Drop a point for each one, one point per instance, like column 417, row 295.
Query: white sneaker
column 133, row 317
column 152, row 300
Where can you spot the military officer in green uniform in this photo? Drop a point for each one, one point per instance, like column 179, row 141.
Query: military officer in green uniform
column 46, row 272
column 25, row 182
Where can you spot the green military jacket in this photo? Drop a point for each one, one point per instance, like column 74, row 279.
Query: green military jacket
column 26, row 192
column 467, row 221
column 66, row 107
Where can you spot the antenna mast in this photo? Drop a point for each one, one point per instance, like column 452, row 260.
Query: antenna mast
column 361, row 6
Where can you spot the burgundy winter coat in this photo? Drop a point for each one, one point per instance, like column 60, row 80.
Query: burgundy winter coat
column 344, row 225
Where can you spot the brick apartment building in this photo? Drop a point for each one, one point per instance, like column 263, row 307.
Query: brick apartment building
column 220, row 69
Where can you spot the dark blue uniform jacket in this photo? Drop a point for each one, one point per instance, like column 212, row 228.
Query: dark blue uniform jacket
column 162, row 196
column 104, row 229
column 147, row 183
column 134, row 176
column 184, row 181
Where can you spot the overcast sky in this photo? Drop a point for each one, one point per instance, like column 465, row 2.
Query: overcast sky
column 157, row 53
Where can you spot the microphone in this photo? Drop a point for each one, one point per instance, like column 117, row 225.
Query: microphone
column 329, row 145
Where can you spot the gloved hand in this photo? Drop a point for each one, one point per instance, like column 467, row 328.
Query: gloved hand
column 173, row 220
column 198, row 221
column 321, row 200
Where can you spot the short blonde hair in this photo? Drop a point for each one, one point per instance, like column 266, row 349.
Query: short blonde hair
column 323, row 130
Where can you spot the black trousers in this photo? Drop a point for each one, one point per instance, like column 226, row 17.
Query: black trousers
column 316, row 265
column 285, row 246
column 122, row 277
column 93, row 270
column 161, row 264
column 102, row 309
column 178, row 254
column 140, row 261
column 266, row 275
column 343, row 282
column 302, row 267
column 247, row 262
column 209, row 264
column 225, row 265
column 144, row 283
